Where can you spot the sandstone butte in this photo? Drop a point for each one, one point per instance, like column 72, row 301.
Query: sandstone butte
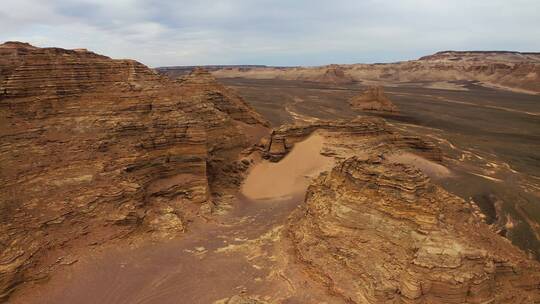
column 373, row 99
column 333, row 74
column 95, row 149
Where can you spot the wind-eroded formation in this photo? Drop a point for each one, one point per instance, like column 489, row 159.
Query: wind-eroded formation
column 373, row 99
column 375, row 229
column 94, row 150
column 380, row 232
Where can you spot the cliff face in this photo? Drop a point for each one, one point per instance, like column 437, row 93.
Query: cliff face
column 373, row 99
column 95, row 149
column 223, row 98
column 360, row 134
column 373, row 231
column 506, row 70
column 238, row 126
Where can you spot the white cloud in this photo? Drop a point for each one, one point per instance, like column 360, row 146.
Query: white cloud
column 280, row 32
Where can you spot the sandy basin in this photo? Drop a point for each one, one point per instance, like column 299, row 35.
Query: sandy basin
column 241, row 251
column 291, row 175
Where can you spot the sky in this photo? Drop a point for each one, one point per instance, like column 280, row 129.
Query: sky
column 272, row 32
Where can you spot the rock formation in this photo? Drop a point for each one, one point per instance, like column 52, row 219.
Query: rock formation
column 245, row 124
column 380, row 232
column 95, row 149
column 373, row 99
column 223, row 98
column 504, row 70
column 333, row 74
column 349, row 133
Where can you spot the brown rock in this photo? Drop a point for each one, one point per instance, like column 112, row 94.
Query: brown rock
column 223, row 98
column 383, row 138
column 95, row 149
column 373, row 99
column 446, row 70
column 378, row 232
column 333, row 74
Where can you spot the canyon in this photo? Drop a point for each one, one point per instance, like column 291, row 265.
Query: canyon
column 267, row 185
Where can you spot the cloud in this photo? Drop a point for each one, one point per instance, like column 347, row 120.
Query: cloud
column 278, row 32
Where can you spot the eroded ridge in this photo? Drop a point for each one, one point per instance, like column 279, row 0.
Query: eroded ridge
column 223, row 98
column 95, row 149
column 379, row 232
column 373, row 133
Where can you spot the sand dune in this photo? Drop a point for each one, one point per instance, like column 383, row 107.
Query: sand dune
column 289, row 176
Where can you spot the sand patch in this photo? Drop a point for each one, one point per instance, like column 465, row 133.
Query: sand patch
column 291, row 175
column 428, row 167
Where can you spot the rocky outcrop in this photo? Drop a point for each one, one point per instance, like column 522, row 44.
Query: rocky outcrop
column 380, row 136
column 380, row 232
column 27, row 71
column 333, row 74
column 373, row 99
column 95, row 149
column 223, row 98
column 237, row 126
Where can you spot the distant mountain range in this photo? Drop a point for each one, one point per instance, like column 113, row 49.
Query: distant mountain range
column 509, row 70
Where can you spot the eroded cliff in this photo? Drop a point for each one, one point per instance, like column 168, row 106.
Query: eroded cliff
column 447, row 70
column 95, row 149
column 375, row 231
column 347, row 137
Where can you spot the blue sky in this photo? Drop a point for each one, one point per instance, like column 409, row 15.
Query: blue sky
column 278, row 32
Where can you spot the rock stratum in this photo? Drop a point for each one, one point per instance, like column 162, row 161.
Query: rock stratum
column 504, row 70
column 373, row 231
column 95, row 149
column 376, row 229
column 360, row 134
column 373, row 99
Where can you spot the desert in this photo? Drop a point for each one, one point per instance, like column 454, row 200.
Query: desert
column 408, row 181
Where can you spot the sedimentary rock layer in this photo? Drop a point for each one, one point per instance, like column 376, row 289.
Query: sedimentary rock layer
column 94, row 149
column 379, row 232
column 508, row 70
column 223, row 98
column 383, row 138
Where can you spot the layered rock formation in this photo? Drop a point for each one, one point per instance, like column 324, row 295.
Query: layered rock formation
column 506, row 70
column 379, row 232
column 333, row 74
column 373, row 99
column 95, row 149
column 223, row 98
column 369, row 133
column 246, row 126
